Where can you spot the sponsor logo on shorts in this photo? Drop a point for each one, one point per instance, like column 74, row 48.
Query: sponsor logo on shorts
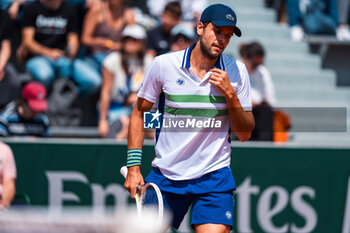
column 228, row 215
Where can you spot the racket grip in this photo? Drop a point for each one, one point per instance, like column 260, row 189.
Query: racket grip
column 124, row 171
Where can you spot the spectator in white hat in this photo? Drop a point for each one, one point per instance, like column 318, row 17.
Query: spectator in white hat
column 183, row 35
column 122, row 74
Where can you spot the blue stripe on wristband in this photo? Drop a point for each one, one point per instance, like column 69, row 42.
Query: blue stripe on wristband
column 134, row 157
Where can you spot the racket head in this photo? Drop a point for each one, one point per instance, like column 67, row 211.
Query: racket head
column 150, row 197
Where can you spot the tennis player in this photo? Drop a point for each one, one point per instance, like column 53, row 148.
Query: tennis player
column 192, row 167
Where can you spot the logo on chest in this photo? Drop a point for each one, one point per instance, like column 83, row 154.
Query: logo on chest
column 180, row 81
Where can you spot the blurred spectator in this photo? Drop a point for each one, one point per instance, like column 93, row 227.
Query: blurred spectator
column 81, row 8
column 8, row 175
column 9, row 80
column 315, row 16
column 25, row 116
column 15, row 7
column 343, row 32
column 159, row 38
column 263, row 93
column 191, row 10
column 281, row 125
column 85, row 3
column 183, row 35
column 280, row 7
column 102, row 32
column 50, row 36
column 122, row 77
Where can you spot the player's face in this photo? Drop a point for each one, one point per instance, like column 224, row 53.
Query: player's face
column 213, row 40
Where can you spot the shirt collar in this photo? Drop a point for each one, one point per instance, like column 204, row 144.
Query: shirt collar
column 187, row 54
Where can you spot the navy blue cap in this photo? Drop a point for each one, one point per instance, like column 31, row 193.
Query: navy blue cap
column 221, row 16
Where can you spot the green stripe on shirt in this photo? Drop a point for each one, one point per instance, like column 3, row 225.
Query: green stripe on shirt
column 196, row 98
column 195, row 112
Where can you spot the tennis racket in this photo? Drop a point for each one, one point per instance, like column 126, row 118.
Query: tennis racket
column 147, row 196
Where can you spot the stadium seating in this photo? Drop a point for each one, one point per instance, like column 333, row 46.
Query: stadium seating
column 298, row 76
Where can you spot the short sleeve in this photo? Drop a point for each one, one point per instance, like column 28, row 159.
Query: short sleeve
column 151, row 86
column 7, row 33
column 29, row 15
column 243, row 91
column 112, row 62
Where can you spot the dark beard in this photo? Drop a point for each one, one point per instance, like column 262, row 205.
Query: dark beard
column 206, row 51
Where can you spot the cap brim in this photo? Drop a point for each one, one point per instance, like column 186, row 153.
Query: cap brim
column 136, row 37
column 38, row 105
column 220, row 23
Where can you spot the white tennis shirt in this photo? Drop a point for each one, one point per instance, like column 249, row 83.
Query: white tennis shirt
column 188, row 152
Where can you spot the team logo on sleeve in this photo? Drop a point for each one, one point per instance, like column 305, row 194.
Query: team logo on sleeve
column 180, row 81
column 152, row 120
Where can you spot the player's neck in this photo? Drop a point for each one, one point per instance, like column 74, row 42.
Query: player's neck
column 199, row 61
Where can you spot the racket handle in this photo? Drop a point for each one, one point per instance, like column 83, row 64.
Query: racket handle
column 124, row 171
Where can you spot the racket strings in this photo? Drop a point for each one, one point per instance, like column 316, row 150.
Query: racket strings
column 150, row 197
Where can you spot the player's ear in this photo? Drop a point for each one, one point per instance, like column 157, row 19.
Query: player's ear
column 200, row 29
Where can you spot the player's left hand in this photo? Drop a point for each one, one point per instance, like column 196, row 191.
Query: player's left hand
column 220, row 79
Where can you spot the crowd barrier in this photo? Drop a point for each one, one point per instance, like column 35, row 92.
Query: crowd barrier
column 280, row 188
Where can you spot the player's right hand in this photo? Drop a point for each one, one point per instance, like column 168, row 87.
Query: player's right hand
column 133, row 179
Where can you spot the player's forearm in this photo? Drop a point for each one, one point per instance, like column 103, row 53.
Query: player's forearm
column 241, row 122
column 136, row 132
